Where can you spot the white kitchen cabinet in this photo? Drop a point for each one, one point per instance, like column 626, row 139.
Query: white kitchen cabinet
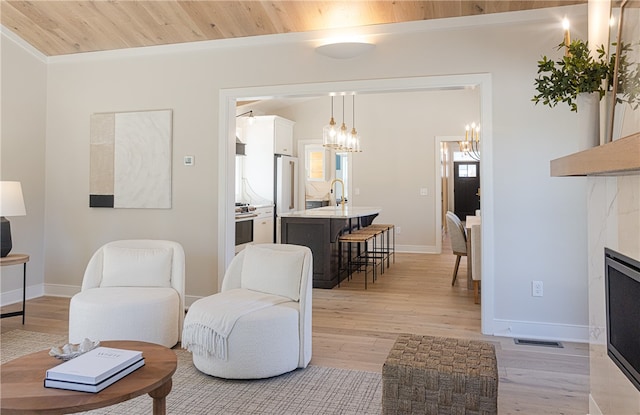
column 283, row 133
column 263, row 225
column 264, row 136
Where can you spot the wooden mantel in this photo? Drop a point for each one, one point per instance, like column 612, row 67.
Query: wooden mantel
column 619, row 157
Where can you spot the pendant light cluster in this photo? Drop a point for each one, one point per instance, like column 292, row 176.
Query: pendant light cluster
column 340, row 139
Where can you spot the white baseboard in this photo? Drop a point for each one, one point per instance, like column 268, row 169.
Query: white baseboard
column 506, row 328
column 60, row 290
column 541, row 331
column 417, row 249
column 15, row 296
column 594, row 409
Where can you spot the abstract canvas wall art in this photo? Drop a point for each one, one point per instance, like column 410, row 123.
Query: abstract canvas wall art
column 130, row 164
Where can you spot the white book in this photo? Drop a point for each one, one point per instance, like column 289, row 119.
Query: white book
column 84, row 387
column 94, row 366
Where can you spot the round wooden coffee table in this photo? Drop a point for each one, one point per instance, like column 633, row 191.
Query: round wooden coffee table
column 22, row 389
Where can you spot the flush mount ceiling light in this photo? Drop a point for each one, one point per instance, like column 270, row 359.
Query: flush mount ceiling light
column 344, row 50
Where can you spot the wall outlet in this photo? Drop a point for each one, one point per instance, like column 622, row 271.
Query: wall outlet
column 398, row 230
column 357, row 191
column 424, row 191
column 189, row 160
column 537, row 289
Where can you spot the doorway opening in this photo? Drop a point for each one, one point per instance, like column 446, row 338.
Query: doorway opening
column 462, row 198
column 227, row 104
column 466, row 188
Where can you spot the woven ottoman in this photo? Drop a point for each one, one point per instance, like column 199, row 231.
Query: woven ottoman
column 440, row 375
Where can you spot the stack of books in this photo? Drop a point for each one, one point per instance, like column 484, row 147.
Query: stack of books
column 94, row 370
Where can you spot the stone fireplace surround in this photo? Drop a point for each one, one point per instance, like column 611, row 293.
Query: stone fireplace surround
column 613, row 221
column 613, row 213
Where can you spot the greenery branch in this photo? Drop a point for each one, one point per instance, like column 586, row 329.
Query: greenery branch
column 577, row 72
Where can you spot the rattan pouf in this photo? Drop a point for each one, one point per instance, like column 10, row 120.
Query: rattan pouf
column 440, row 375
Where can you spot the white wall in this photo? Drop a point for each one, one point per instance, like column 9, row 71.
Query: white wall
column 539, row 222
column 24, row 80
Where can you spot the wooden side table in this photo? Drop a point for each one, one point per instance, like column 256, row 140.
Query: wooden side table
column 17, row 259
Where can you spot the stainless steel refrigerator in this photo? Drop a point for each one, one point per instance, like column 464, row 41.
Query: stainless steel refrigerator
column 285, row 188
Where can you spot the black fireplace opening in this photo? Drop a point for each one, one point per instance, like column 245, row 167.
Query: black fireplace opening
column 622, row 294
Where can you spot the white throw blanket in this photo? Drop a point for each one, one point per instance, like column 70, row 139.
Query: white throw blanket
column 210, row 320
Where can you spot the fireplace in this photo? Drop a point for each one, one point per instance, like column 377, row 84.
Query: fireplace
column 622, row 294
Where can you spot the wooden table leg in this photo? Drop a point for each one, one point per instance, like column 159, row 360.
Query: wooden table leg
column 159, row 396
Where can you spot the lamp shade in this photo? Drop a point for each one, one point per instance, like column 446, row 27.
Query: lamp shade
column 11, row 200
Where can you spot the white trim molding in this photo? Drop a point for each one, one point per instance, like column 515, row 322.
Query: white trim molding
column 417, row 249
column 226, row 159
column 541, row 331
column 61, row 290
column 15, row 296
column 23, row 44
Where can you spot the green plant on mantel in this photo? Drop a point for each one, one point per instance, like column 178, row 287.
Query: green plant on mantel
column 577, row 72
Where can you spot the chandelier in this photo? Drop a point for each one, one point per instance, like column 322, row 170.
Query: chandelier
column 340, row 139
column 471, row 145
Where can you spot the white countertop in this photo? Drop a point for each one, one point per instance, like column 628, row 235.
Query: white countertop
column 334, row 212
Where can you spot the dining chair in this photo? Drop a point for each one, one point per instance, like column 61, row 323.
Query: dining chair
column 458, row 236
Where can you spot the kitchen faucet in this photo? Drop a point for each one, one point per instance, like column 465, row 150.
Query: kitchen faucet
column 342, row 201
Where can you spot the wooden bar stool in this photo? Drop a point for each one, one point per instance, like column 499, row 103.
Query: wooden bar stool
column 372, row 253
column 362, row 239
column 389, row 247
column 376, row 253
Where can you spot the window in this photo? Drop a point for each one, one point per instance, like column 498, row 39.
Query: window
column 342, row 172
column 467, row 170
column 315, row 163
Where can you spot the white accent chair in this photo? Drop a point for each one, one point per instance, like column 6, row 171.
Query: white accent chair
column 458, row 236
column 131, row 290
column 263, row 342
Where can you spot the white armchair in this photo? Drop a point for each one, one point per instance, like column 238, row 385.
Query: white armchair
column 131, row 290
column 259, row 325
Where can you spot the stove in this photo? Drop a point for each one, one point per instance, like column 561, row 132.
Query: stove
column 244, row 225
column 244, row 210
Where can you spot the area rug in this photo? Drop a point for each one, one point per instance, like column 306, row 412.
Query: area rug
column 314, row 390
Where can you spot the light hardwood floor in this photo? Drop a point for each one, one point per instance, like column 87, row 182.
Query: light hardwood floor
column 354, row 328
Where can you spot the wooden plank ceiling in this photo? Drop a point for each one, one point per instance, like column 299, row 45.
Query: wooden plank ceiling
column 58, row 27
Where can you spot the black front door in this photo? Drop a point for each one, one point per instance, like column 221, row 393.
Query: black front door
column 466, row 188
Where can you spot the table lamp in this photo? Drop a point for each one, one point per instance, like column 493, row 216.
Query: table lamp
column 11, row 204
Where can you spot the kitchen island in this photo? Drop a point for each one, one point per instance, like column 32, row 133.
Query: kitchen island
column 319, row 230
